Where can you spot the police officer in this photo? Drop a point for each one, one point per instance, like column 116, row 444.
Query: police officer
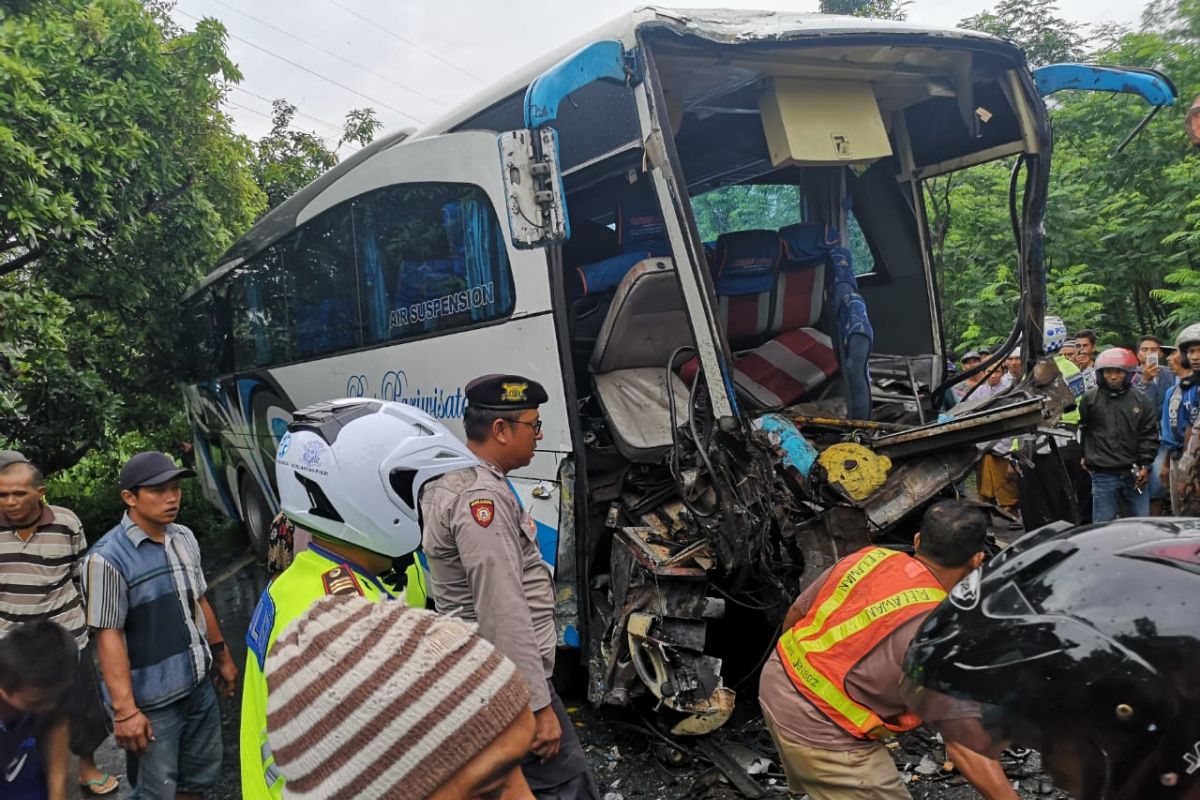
column 485, row 567
column 347, row 472
column 1082, row 643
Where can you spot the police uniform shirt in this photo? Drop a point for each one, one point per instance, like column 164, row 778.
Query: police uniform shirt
column 485, row 567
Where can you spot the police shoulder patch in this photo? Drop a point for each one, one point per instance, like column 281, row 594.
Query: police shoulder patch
column 258, row 635
column 483, row 511
column 340, row 580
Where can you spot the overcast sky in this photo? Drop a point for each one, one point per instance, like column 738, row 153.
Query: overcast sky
column 412, row 59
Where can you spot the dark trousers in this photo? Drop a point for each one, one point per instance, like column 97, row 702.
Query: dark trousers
column 1057, row 488
column 88, row 720
column 567, row 776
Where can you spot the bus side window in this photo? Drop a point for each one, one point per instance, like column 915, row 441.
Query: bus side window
column 431, row 258
column 261, row 329
column 197, row 343
column 323, row 305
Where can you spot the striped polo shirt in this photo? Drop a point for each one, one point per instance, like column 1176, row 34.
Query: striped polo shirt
column 39, row 577
column 151, row 591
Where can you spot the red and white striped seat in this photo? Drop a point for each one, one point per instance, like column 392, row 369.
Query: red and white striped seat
column 784, row 370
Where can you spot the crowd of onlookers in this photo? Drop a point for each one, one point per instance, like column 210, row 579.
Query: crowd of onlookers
column 135, row 606
column 1127, row 446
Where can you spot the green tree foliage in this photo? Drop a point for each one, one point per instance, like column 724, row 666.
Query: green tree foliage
column 879, row 9
column 286, row 159
column 1122, row 230
column 1035, row 26
column 741, row 208
column 120, row 182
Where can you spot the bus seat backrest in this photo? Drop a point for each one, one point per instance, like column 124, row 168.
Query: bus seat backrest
column 854, row 336
column 645, row 324
column 640, row 225
column 744, row 270
column 800, row 294
column 646, row 320
column 809, row 241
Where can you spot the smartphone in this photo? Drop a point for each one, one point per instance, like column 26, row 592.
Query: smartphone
column 1152, row 360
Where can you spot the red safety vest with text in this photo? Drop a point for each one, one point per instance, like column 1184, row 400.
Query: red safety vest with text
column 867, row 596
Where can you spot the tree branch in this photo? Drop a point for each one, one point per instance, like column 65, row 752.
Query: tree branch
column 169, row 197
column 12, row 265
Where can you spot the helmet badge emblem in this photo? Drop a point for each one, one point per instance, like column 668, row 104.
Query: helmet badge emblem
column 965, row 594
column 312, row 453
column 513, row 392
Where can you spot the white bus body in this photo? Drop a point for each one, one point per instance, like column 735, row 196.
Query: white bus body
column 422, row 262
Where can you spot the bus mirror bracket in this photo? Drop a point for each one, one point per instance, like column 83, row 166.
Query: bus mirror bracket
column 532, row 172
column 533, row 191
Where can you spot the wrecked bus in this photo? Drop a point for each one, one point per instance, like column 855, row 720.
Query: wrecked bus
column 732, row 409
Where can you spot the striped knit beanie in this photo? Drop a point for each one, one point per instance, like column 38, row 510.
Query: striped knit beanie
column 381, row 700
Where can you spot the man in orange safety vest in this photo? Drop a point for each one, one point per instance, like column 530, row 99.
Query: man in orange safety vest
column 831, row 690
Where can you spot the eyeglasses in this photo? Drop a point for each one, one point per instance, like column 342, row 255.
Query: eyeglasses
column 537, row 426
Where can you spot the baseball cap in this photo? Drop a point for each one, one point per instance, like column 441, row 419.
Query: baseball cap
column 150, row 469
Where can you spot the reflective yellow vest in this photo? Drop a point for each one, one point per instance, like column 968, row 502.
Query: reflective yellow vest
column 1074, row 379
column 313, row 573
column 867, row 596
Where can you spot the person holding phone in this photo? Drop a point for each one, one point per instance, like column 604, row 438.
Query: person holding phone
column 1152, row 377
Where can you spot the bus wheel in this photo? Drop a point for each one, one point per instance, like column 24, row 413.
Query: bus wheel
column 256, row 516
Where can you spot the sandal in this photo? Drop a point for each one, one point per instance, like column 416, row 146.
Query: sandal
column 101, row 786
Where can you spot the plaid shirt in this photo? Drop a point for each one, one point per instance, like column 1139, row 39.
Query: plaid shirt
column 151, row 591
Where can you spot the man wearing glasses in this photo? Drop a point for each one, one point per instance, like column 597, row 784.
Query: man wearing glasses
column 485, row 567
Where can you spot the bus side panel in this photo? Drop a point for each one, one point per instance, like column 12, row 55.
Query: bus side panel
column 240, row 420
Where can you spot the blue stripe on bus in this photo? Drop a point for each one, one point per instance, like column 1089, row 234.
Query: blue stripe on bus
column 547, row 538
column 571, row 636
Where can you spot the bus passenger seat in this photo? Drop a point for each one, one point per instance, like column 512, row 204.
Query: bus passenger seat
column 800, row 293
column 644, row 325
column 744, row 271
column 641, row 233
column 800, row 355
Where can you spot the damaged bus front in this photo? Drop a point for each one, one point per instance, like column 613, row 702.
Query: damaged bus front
column 755, row 327
column 704, row 233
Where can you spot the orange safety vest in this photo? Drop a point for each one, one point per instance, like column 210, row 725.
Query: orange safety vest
column 867, row 596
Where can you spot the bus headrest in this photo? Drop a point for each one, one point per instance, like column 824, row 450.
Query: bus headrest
column 809, row 241
column 640, row 225
column 747, row 261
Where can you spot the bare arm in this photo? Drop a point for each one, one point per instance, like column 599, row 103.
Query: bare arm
column 984, row 773
column 56, row 756
column 130, row 726
column 226, row 669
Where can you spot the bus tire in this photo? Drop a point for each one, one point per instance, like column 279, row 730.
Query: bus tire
column 256, row 516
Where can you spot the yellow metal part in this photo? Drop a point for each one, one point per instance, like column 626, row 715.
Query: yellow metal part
column 857, row 469
column 822, row 122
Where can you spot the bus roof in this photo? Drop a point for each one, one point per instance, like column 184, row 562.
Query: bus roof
column 726, row 26
column 730, row 26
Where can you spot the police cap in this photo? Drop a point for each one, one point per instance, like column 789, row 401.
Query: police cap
column 505, row 393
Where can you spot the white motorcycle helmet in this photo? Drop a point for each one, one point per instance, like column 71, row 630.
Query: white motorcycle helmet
column 1054, row 333
column 1187, row 337
column 353, row 469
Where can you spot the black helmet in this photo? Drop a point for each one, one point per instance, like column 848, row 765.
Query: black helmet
column 1083, row 643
